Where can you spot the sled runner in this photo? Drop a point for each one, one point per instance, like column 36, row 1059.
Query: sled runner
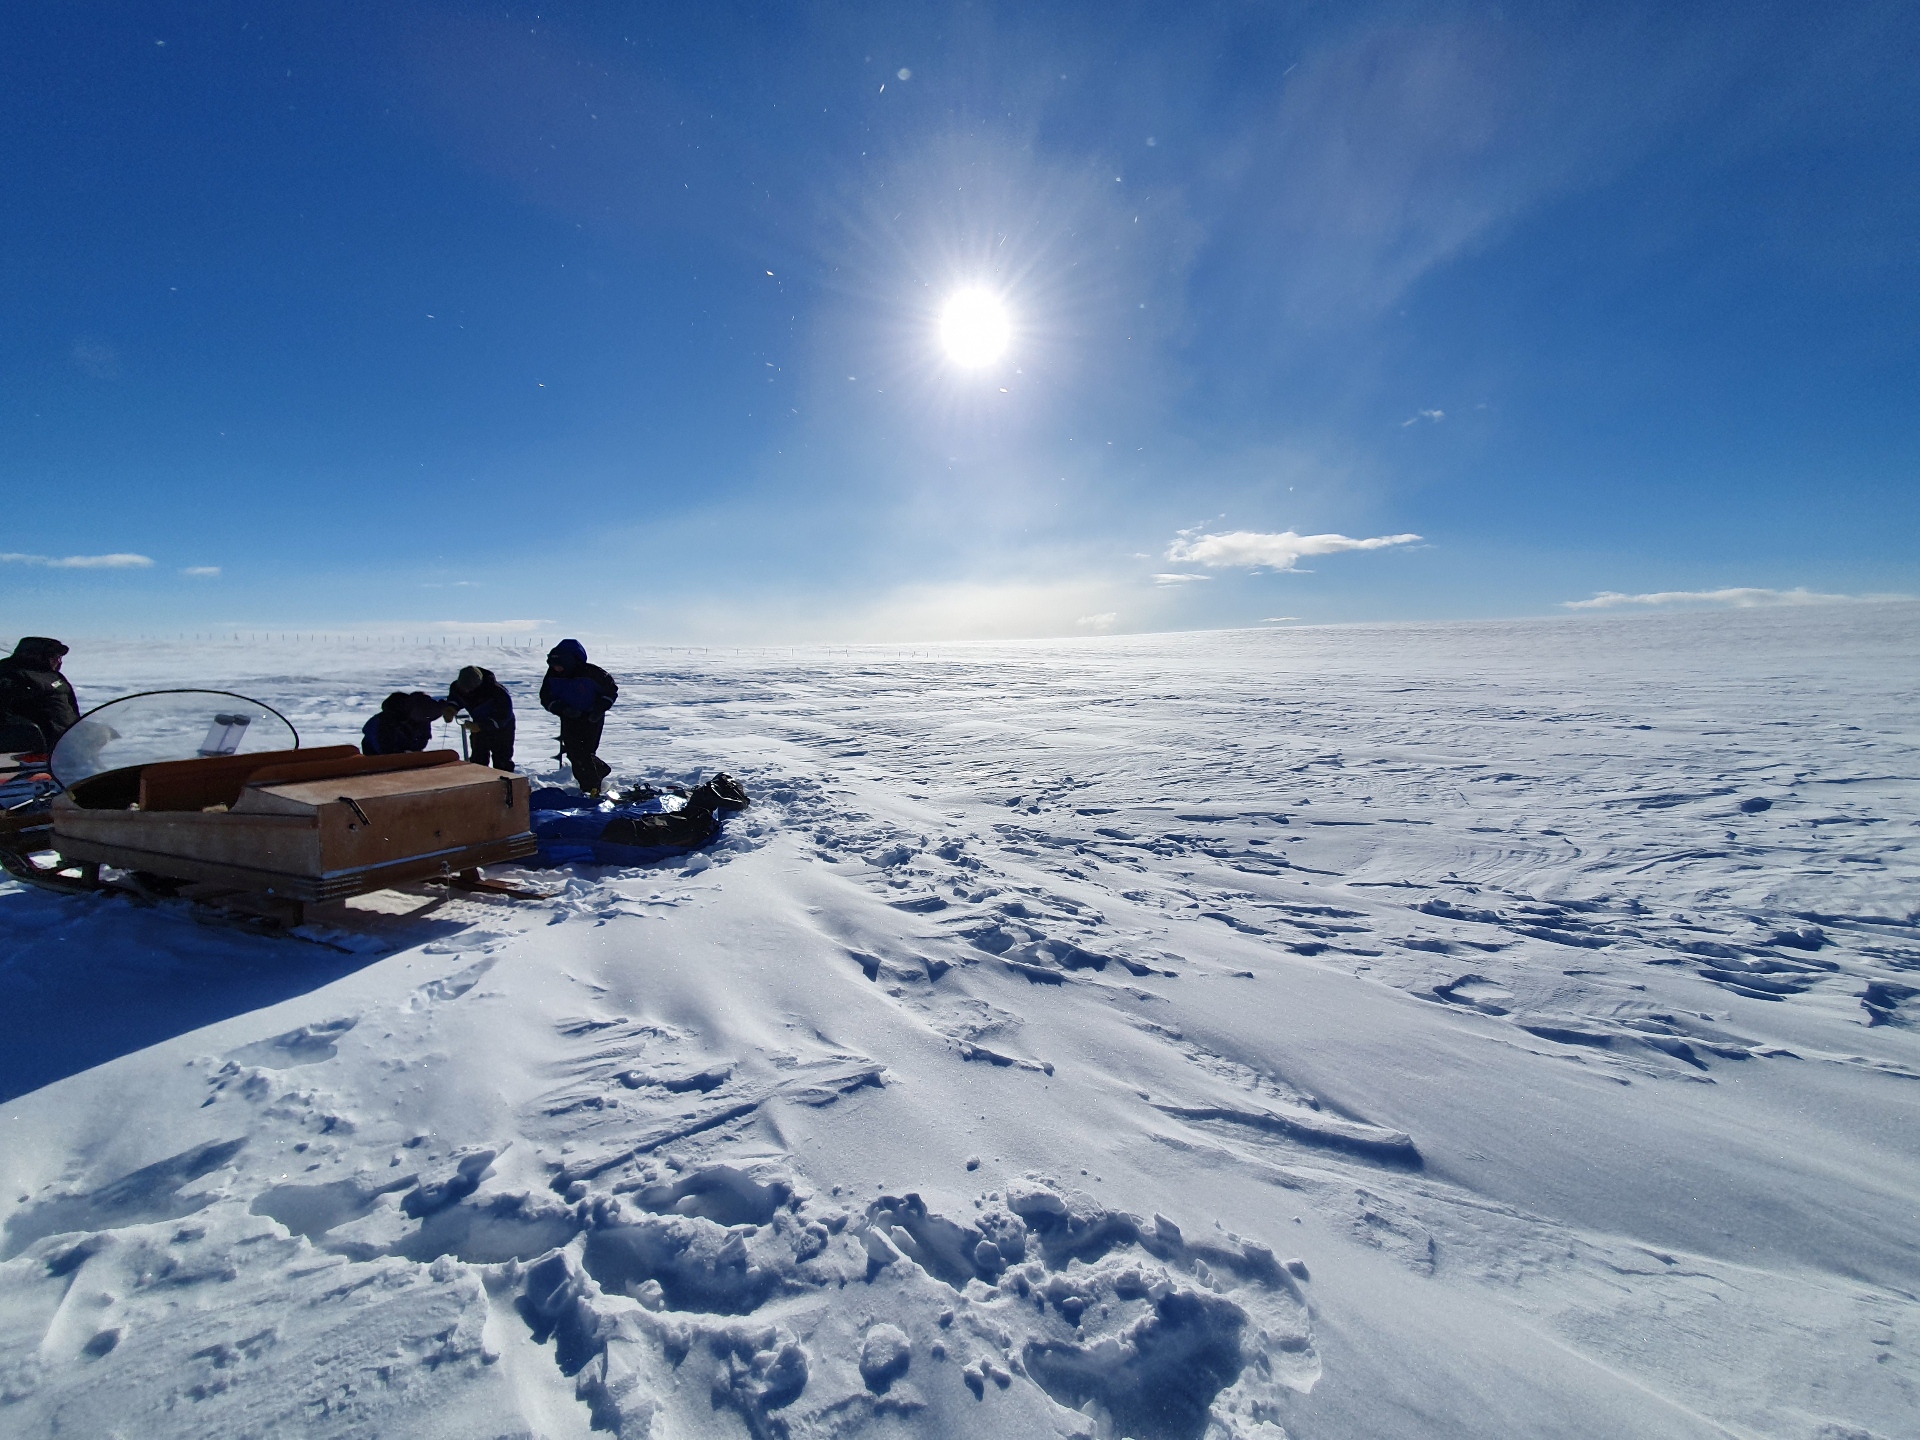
column 210, row 796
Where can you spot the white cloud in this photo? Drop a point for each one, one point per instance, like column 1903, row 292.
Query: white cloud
column 1277, row 552
column 1742, row 597
column 490, row 627
column 1278, row 619
column 80, row 562
column 208, row 570
column 1414, row 419
column 1099, row 622
column 1178, row 579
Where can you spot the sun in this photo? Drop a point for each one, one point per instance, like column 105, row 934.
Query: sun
column 974, row 328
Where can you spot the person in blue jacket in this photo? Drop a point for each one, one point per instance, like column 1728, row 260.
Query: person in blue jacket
column 580, row 694
column 489, row 713
column 405, row 723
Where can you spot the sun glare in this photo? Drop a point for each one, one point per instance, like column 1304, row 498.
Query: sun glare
column 974, row 329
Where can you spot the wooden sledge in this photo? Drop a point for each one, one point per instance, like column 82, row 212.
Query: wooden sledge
column 292, row 828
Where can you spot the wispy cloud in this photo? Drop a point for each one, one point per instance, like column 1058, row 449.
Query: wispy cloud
column 1178, row 579
column 79, row 562
column 1103, row 621
column 490, row 627
column 204, row 570
column 1274, row 552
column 1742, row 597
column 1410, row 144
column 1278, row 619
column 96, row 357
column 1436, row 416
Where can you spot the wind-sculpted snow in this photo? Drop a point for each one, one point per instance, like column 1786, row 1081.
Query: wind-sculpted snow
column 1476, row 1030
column 1123, row 1322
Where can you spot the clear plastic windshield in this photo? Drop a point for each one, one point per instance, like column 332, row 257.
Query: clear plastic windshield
column 168, row 725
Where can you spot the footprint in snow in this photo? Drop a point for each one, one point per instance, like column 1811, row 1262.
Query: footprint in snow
column 308, row 1045
column 452, row 987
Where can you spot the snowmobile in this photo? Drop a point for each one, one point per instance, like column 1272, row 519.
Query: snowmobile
column 210, row 796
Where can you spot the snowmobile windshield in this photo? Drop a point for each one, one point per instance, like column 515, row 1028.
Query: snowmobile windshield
column 168, row 725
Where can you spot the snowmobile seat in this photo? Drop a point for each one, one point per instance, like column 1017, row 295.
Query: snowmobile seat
column 21, row 737
column 216, row 780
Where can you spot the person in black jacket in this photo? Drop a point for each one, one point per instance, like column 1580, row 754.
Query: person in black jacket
column 405, row 723
column 33, row 691
column 580, row 694
column 489, row 713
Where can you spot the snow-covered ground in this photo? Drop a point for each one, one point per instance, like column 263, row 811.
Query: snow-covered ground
column 1369, row 1031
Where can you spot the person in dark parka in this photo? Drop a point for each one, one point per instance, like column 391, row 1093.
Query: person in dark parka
column 33, row 691
column 580, row 694
column 489, row 713
column 405, row 723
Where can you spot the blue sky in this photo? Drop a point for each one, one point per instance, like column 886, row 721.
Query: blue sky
column 622, row 320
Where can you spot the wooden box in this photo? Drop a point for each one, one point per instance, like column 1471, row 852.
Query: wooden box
column 306, row 825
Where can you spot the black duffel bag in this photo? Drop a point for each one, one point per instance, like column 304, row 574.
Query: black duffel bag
column 691, row 826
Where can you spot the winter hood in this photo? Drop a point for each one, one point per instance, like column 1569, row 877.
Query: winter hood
column 39, row 647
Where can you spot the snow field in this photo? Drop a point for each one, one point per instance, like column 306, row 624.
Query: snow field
column 1364, row 1031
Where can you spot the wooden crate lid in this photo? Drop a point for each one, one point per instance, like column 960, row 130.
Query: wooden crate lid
column 349, row 762
column 426, row 782
column 216, row 780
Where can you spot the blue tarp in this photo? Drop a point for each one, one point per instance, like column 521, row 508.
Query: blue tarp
column 569, row 827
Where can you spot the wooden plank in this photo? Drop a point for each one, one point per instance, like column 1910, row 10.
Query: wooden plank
column 273, row 842
column 74, row 819
column 302, row 887
column 457, row 774
column 216, row 779
column 352, row 763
